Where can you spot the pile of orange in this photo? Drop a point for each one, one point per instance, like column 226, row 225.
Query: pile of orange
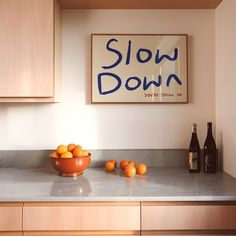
column 130, row 168
column 69, row 151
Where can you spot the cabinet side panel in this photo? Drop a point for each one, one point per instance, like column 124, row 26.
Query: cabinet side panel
column 57, row 51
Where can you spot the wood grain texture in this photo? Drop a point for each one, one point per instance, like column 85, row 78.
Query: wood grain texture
column 81, row 218
column 57, row 51
column 26, row 45
column 72, row 204
column 140, row 4
column 26, row 100
column 11, row 233
column 195, row 203
column 10, row 218
column 188, row 233
column 181, row 234
column 81, row 233
column 10, row 204
column 195, row 217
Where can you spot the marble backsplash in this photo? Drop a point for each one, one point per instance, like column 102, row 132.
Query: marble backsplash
column 152, row 157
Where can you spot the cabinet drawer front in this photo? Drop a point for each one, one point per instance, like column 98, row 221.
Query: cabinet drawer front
column 10, row 218
column 11, row 234
column 188, row 233
column 81, row 218
column 81, row 233
column 188, row 217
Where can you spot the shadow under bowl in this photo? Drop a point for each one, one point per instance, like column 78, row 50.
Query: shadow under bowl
column 68, row 167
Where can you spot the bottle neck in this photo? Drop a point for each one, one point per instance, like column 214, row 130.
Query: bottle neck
column 209, row 129
column 194, row 129
column 194, row 132
column 194, row 135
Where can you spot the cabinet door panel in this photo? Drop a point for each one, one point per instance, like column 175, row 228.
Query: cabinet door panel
column 92, row 217
column 10, row 218
column 26, row 46
column 189, row 217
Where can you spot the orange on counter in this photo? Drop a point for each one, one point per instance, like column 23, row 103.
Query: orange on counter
column 114, row 161
column 123, row 164
column 71, row 147
column 67, row 155
column 130, row 170
column 54, row 155
column 61, row 149
column 109, row 166
column 133, row 163
column 141, row 169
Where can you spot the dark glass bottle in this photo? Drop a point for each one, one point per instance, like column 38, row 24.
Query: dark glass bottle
column 210, row 152
column 194, row 154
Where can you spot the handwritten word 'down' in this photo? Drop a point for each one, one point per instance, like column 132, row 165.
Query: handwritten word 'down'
column 143, row 55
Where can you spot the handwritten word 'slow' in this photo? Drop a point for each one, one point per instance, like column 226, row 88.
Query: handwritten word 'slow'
column 143, row 55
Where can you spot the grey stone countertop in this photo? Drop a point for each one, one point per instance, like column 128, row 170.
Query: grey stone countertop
column 159, row 184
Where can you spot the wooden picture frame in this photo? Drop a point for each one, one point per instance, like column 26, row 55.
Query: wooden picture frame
column 139, row 68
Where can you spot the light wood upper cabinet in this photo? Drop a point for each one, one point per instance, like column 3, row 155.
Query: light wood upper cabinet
column 81, row 216
column 10, row 217
column 30, row 50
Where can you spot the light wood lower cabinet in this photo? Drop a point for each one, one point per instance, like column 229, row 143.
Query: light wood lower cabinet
column 11, row 233
column 79, row 233
column 82, row 216
column 188, row 216
column 10, row 217
column 118, row 218
column 187, row 233
column 184, row 234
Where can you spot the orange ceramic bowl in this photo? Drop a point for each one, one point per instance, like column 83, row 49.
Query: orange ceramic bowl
column 71, row 166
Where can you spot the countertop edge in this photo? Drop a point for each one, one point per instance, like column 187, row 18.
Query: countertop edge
column 123, row 199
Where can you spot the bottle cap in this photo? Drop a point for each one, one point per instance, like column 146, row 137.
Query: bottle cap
column 194, row 128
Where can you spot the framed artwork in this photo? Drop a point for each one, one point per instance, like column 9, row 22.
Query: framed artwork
column 135, row 68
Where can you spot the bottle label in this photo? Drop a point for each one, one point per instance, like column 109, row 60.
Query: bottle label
column 210, row 163
column 193, row 165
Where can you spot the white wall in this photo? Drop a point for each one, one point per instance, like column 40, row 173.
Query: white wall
column 118, row 126
column 226, row 83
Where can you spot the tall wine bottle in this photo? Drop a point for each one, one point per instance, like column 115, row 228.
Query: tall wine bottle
column 194, row 155
column 210, row 152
